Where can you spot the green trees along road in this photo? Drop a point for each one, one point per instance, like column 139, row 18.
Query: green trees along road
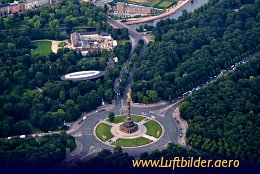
column 190, row 50
column 224, row 117
column 32, row 97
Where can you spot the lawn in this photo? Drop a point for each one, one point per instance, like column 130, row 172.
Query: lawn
column 122, row 42
column 103, row 132
column 164, row 4
column 153, row 3
column 43, row 48
column 132, row 142
column 153, row 128
column 120, row 119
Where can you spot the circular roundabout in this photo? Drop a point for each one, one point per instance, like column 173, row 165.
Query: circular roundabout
column 129, row 132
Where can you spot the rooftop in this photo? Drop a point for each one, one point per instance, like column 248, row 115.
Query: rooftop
column 82, row 75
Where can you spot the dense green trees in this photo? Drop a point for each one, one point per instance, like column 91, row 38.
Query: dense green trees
column 106, row 161
column 190, row 50
column 224, row 117
column 111, row 116
column 23, row 106
column 46, row 151
column 133, row 59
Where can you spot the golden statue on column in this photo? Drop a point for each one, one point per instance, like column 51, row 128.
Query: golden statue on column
column 128, row 104
column 128, row 126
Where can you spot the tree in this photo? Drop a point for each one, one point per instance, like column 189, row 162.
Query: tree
column 184, row 55
column 22, row 72
column 48, row 122
column 118, row 150
column 111, row 116
column 21, row 127
column 108, row 95
column 221, row 114
column 71, row 144
column 62, row 96
column 8, row 109
column 152, row 95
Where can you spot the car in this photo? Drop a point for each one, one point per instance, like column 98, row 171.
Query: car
column 180, row 134
column 9, row 138
column 22, row 136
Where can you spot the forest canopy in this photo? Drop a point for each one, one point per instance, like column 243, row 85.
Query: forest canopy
column 33, row 98
column 197, row 46
column 224, row 117
column 40, row 152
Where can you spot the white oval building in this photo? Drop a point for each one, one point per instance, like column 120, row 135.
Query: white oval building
column 82, row 75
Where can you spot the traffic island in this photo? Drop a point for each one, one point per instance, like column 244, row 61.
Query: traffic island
column 103, row 132
column 148, row 132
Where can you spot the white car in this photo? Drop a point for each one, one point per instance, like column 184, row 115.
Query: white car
column 9, row 138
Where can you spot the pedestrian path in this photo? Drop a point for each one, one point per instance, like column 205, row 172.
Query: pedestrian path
column 150, row 137
column 108, row 122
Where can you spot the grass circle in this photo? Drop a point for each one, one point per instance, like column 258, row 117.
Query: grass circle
column 154, row 130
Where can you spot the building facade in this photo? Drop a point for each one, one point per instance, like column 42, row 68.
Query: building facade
column 89, row 41
column 4, row 10
column 141, row 1
column 122, row 9
column 22, row 5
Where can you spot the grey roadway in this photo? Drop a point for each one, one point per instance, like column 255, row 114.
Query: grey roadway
column 134, row 37
column 84, row 131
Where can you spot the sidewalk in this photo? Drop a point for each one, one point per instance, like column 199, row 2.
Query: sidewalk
column 182, row 124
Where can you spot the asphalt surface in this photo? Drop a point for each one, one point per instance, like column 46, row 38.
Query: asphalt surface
column 83, row 128
column 171, row 133
column 84, row 131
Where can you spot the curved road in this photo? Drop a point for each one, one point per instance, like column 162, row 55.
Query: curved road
column 82, row 130
column 162, row 113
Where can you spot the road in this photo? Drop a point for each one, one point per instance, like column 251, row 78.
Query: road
column 162, row 113
column 83, row 128
column 84, row 133
column 134, row 37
